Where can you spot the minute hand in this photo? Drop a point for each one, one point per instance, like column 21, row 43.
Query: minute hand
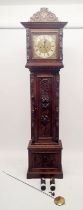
column 45, row 45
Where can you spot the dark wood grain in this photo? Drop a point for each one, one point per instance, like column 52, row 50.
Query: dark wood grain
column 45, row 160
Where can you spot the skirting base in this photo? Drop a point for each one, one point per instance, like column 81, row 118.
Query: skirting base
column 35, row 175
column 44, row 161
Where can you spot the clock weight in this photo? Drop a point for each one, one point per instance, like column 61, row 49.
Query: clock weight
column 43, row 184
column 52, row 184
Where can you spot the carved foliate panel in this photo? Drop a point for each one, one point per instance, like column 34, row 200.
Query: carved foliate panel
column 44, row 106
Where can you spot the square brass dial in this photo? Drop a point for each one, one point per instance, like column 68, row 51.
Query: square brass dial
column 44, row 45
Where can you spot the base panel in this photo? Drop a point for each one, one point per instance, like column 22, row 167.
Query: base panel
column 44, row 161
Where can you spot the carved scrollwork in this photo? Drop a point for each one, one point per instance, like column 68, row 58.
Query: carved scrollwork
column 44, row 15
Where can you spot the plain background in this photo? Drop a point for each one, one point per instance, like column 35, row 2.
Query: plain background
column 15, row 109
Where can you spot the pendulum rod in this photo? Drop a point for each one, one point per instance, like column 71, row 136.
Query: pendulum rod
column 57, row 200
column 16, row 178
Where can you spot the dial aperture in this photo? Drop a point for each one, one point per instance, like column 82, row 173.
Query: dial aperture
column 44, row 45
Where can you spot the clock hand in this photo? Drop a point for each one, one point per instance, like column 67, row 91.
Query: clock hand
column 45, row 45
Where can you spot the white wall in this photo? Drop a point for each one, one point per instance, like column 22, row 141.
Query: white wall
column 14, row 78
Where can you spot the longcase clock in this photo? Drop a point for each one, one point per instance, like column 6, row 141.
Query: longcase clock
column 44, row 34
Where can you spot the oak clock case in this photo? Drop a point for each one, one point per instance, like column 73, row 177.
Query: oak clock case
column 44, row 60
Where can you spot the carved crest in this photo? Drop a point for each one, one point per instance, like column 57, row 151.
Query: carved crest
column 44, row 15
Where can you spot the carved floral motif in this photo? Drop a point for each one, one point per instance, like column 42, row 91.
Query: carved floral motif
column 44, row 15
column 44, row 119
column 45, row 102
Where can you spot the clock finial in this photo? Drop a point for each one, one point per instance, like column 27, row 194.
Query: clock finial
column 44, row 15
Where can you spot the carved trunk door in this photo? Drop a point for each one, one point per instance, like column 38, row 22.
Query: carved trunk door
column 44, row 107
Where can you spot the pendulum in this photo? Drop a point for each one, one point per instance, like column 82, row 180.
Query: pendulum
column 59, row 200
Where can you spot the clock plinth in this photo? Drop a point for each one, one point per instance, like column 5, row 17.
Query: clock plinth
column 44, row 60
column 45, row 160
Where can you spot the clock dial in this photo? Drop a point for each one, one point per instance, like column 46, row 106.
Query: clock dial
column 44, row 46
